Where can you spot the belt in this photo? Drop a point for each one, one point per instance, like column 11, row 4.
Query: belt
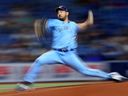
column 63, row 49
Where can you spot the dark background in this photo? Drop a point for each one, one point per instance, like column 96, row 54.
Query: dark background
column 105, row 40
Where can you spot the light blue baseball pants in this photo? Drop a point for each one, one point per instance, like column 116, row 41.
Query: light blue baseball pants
column 67, row 58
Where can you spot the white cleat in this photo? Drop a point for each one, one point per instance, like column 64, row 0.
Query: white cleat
column 117, row 77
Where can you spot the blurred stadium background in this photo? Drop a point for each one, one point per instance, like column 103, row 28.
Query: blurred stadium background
column 103, row 46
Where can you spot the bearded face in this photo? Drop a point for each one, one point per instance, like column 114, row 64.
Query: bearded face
column 62, row 15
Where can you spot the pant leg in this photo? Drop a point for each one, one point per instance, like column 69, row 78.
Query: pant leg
column 72, row 60
column 49, row 57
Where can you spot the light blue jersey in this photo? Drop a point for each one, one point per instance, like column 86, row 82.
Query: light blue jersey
column 64, row 37
column 64, row 33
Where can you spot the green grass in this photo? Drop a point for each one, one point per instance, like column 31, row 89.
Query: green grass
column 8, row 87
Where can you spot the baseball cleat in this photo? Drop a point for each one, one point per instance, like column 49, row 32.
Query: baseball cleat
column 22, row 87
column 117, row 77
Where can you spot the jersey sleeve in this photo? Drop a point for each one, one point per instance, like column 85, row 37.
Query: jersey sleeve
column 77, row 27
column 49, row 24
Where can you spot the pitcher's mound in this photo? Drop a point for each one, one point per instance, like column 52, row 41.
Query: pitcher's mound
column 98, row 89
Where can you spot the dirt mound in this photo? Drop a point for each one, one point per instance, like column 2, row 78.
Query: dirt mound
column 100, row 89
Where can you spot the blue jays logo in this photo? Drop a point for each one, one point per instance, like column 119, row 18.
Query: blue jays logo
column 61, row 28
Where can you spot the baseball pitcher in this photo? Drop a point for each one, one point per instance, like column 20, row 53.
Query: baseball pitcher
column 63, row 49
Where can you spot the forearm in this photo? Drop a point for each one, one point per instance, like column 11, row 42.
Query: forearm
column 90, row 19
column 88, row 22
column 39, row 27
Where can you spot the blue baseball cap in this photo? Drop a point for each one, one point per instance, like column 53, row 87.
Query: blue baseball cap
column 61, row 8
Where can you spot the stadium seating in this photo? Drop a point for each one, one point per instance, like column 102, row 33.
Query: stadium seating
column 19, row 44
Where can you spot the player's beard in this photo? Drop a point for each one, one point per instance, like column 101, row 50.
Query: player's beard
column 63, row 18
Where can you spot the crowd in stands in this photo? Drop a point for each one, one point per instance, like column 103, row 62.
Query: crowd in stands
column 107, row 39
